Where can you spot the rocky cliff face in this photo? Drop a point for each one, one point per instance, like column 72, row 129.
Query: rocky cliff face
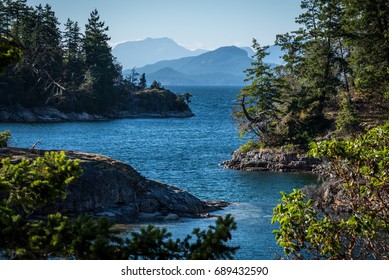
column 149, row 103
column 271, row 160
column 112, row 188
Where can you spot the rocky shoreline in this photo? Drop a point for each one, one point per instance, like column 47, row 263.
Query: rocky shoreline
column 277, row 160
column 18, row 113
column 114, row 189
column 147, row 103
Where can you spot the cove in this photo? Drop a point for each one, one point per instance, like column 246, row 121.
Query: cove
column 185, row 153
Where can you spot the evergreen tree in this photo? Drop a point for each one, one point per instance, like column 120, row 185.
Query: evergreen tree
column 366, row 34
column 101, row 71
column 258, row 112
column 142, row 81
column 73, row 69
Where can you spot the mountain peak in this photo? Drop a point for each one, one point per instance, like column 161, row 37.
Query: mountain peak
column 231, row 50
column 148, row 51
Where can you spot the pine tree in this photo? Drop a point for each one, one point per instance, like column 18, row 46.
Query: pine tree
column 366, row 33
column 258, row 111
column 142, row 81
column 101, row 71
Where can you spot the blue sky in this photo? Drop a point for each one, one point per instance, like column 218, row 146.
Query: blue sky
column 206, row 24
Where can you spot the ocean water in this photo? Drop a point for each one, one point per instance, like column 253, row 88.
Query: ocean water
column 185, row 153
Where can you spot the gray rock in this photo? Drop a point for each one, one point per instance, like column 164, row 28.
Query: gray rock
column 276, row 160
column 115, row 188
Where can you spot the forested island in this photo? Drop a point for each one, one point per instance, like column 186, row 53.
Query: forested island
column 68, row 75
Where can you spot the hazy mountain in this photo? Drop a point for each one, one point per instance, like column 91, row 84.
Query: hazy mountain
column 139, row 53
column 223, row 66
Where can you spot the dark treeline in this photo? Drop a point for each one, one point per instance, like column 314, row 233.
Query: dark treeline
column 67, row 69
column 335, row 79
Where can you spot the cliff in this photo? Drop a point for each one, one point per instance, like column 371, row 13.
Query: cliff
column 278, row 160
column 114, row 189
column 148, row 103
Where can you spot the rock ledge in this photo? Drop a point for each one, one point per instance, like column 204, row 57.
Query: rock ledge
column 114, row 189
column 271, row 160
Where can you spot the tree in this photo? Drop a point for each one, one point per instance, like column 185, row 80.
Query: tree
column 258, row 102
column 156, row 85
column 4, row 138
column 101, row 71
column 366, row 33
column 133, row 77
column 142, row 81
column 356, row 226
column 335, row 76
column 9, row 53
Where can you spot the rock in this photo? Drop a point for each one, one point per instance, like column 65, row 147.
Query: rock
column 115, row 189
column 276, row 160
column 171, row 217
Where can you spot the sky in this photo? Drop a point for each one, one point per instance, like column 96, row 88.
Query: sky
column 194, row 24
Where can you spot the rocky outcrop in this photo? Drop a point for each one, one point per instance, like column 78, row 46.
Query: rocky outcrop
column 148, row 103
column 114, row 189
column 277, row 160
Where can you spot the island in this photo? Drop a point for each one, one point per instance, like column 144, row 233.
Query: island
column 146, row 103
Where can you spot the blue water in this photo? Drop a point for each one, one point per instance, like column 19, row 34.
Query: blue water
column 185, row 153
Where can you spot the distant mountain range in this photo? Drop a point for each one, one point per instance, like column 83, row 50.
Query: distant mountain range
column 223, row 66
column 140, row 53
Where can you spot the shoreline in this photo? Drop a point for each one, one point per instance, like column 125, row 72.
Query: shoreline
column 48, row 114
column 275, row 160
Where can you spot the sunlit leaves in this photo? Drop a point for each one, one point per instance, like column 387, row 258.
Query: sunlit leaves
column 361, row 229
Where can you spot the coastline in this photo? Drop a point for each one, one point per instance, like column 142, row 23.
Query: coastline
column 47, row 114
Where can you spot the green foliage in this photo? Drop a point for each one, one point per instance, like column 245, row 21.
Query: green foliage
column 357, row 225
column 155, row 243
column 258, row 110
column 250, row 145
column 9, row 53
column 4, row 138
column 31, row 185
column 347, row 120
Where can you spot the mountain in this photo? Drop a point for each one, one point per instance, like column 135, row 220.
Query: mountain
column 223, row 66
column 139, row 53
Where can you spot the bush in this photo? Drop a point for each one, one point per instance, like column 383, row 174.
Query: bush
column 4, row 138
column 356, row 226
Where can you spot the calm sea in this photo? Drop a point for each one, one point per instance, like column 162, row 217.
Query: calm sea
column 185, row 153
